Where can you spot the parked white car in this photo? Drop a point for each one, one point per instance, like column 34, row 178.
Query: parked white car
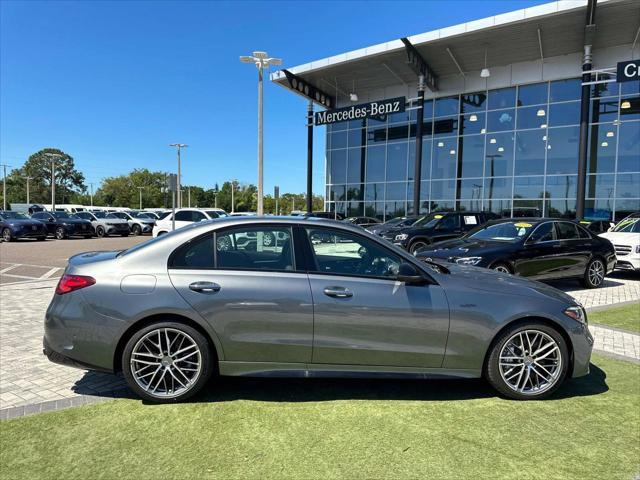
column 625, row 237
column 186, row 216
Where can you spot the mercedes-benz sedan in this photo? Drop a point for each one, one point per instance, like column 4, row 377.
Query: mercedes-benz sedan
column 172, row 312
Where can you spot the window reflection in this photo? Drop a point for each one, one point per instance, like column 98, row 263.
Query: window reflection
column 471, row 154
column 602, row 148
column 563, row 186
column 535, row 94
column 502, row 98
column 564, row 114
column 499, row 154
column 562, row 150
column 445, row 154
column 501, row 120
column 530, row 152
column 629, row 147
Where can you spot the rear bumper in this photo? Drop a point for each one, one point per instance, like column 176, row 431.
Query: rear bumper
column 62, row 359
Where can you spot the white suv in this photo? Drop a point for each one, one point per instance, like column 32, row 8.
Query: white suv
column 186, row 216
column 625, row 237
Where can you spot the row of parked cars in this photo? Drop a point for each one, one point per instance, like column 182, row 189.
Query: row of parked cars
column 540, row 248
column 61, row 224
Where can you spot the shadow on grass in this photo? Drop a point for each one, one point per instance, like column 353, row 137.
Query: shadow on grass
column 226, row 389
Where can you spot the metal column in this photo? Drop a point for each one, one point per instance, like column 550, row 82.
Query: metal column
column 310, row 157
column 418, row 166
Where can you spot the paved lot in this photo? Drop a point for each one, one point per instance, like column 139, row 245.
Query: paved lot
column 28, row 260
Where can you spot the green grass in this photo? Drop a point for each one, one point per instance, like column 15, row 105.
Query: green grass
column 627, row 317
column 260, row 428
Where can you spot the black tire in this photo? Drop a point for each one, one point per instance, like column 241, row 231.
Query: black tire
column 501, row 267
column 492, row 368
column 6, row 235
column 101, row 232
column 594, row 273
column 416, row 245
column 60, row 234
column 208, row 360
column 136, row 230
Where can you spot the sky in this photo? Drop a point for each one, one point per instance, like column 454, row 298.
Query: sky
column 113, row 83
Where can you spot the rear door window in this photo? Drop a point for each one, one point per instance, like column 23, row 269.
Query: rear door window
column 567, row 231
column 184, row 216
column 255, row 248
column 196, row 254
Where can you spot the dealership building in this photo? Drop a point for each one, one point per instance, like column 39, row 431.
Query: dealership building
column 533, row 112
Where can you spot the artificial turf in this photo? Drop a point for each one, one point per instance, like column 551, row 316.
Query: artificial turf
column 268, row 428
column 626, row 317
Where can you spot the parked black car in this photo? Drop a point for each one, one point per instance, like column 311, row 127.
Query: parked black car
column 436, row 227
column 597, row 226
column 363, row 222
column 62, row 225
column 14, row 225
column 540, row 248
column 394, row 223
column 329, row 215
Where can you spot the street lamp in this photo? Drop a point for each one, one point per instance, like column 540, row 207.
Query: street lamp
column 27, row 178
column 140, row 190
column 179, row 146
column 261, row 61
column 53, row 156
column 4, row 186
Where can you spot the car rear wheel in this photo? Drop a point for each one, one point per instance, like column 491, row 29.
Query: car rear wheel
column 101, row 232
column 528, row 361
column 501, row 267
column 417, row 245
column 136, row 230
column 6, row 235
column 60, row 233
column 167, row 362
column 594, row 274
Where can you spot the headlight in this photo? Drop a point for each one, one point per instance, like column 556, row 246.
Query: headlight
column 402, row 236
column 577, row 313
column 468, row 260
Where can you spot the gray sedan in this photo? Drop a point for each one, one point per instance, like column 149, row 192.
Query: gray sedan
column 200, row 301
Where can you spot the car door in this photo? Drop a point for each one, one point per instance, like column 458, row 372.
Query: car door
column 48, row 220
column 541, row 256
column 576, row 246
column 362, row 314
column 254, row 296
column 448, row 227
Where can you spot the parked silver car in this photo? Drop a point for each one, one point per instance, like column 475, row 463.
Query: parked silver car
column 173, row 311
column 105, row 224
column 137, row 225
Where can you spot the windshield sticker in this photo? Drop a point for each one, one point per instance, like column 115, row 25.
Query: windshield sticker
column 438, row 216
column 523, row 225
column 470, row 220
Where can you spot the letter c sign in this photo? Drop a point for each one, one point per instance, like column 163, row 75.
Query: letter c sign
column 628, row 71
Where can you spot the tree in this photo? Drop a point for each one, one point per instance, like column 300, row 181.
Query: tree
column 123, row 191
column 69, row 181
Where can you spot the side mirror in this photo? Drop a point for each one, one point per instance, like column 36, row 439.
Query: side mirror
column 409, row 274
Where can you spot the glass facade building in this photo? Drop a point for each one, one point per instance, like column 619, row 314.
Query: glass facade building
column 513, row 151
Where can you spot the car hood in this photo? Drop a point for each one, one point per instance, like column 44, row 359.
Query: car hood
column 75, row 221
column 622, row 238
column 113, row 220
column 463, row 247
column 490, row 281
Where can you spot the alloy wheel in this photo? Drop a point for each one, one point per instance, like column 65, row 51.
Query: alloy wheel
column 417, row 246
column 596, row 272
column 530, row 362
column 59, row 233
column 166, row 363
column 6, row 235
column 501, row 269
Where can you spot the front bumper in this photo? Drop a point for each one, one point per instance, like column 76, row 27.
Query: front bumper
column 80, row 230
column 628, row 262
column 118, row 229
column 29, row 232
column 582, row 342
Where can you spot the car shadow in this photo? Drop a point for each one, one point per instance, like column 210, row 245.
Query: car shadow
column 572, row 285
column 227, row 389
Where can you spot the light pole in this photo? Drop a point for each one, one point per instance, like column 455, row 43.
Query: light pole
column 261, row 61
column 189, row 197
column 91, row 193
column 140, row 190
column 53, row 156
column 27, row 178
column 179, row 146
column 233, row 203
column 4, row 187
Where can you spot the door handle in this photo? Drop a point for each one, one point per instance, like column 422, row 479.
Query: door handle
column 337, row 292
column 204, row 287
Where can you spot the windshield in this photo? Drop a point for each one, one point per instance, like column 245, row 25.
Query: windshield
column 630, row 225
column 99, row 214
column 61, row 215
column 111, row 215
column 213, row 213
column 14, row 216
column 503, row 232
column 144, row 215
column 428, row 221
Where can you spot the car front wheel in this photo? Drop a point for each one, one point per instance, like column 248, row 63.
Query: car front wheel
column 528, row 361
column 6, row 235
column 167, row 362
column 417, row 246
column 136, row 230
column 60, row 233
column 594, row 274
column 101, row 232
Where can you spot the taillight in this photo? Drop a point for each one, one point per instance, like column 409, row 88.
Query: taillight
column 69, row 283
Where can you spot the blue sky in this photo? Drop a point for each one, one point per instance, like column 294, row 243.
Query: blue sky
column 113, row 83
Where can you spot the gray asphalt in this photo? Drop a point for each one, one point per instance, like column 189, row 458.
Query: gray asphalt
column 29, row 260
